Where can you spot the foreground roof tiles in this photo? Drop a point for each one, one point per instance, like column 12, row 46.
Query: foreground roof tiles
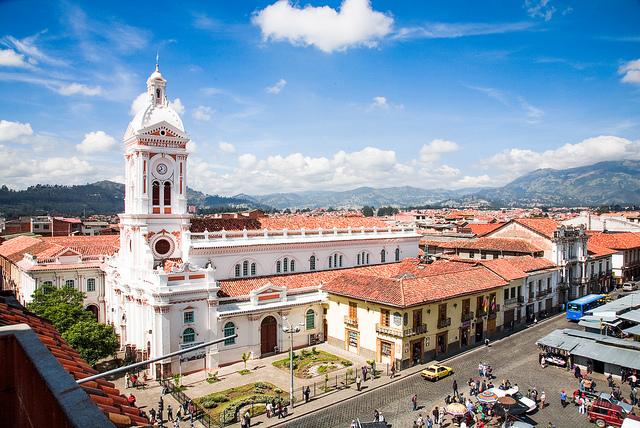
column 103, row 393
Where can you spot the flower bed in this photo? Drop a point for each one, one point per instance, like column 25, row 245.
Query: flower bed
column 309, row 363
column 223, row 406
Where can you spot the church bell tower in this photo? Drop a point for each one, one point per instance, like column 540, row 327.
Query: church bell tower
column 155, row 218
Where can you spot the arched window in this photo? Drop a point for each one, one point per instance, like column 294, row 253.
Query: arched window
column 245, row 268
column 397, row 254
column 167, row 193
column 278, row 266
column 335, row 260
column 340, row 261
column 358, row 258
column 383, row 256
column 311, row 319
column 229, row 330
column 155, row 193
column 367, row 255
column 237, row 271
column 253, row 269
column 70, row 283
column 188, row 335
column 330, row 262
column 285, row 264
column 293, row 265
column 312, row 263
column 158, row 93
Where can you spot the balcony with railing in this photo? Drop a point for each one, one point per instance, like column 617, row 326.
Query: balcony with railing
column 520, row 299
column 512, row 301
column 390, row 331
column 480, row 313
column 445, row 322
column 353, row 322
column 493, row 313
column 412, row 331
column 466, row 317
column 542, row 293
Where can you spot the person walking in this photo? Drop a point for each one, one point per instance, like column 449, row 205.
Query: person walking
column 435, row 412
column 393, row 371
column 542, row 398
column 428, row 422
column 455, row 389
column 358, row 381
column 169, row 412
column 414, row 400
column 441, row 416
column 581, row 401
column 307, row 392
column 633, row 395
column 376, row 416
column 420, row 421
column 563, row 399
column 480, row 368
column 132, row 400
column 364, row 373
column 127, row 380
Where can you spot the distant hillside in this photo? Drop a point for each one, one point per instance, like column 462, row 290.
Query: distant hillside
column 357, row 198
column 103, row 197
column 605, row 183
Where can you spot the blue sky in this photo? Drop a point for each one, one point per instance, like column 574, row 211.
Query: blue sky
column 324, row 95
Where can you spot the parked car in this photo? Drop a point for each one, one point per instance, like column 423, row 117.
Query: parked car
column 604, row 414
column 629, row 286
column 605, row 396
column 515, row 394
column 436, row 372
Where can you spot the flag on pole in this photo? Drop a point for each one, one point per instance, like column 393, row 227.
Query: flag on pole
column 493, row 304
column 484, row 305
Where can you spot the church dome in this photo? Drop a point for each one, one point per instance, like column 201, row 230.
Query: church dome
column 157, row 107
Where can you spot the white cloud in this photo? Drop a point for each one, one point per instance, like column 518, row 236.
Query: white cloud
column 177, row 106
column 97, row 142
column 9, row 58
column 138, row 104
column 276, row 88
column 27, row 47
column 202, row 113
column 631, row 71
column 75, row 88
column 382, row 103
column 515, row 162
column 356, row 24
column 433, row 151
column 539, row 8
column 443, row 30
column 203, row 22
column 533, row 113
column 227, row 148
column 12, row 130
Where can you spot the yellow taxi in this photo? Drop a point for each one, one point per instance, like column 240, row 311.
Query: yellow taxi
column 436, row 372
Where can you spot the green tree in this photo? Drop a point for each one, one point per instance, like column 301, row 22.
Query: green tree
column 367, row 211
column 92, row 340
column 62, row 306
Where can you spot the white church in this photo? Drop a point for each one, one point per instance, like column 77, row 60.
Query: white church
column 179, row 281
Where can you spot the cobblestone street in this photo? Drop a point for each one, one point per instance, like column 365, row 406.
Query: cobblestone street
column 513, row 358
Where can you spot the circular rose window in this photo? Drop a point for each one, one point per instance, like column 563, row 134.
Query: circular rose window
column 162, row 247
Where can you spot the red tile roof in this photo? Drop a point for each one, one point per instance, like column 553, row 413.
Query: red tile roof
column 103, row 393
column 495, row 244
column 481, row 229
column 615, row 240
column 517, row 267
column 598, row 251
column 14, row 249
column 408, row 290
column 88, row 245
column 199, row 225
column 544, row 226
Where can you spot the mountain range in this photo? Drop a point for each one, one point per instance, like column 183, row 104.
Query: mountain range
column 604, row 183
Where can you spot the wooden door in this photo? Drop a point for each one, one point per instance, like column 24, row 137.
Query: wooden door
column 268, row 335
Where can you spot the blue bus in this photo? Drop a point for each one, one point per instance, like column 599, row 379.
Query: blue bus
column 579, row 307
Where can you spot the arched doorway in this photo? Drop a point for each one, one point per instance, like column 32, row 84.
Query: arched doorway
column 268, row 336
column 94, row 310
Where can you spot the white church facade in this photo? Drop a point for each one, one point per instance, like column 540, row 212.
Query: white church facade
column 178, row 281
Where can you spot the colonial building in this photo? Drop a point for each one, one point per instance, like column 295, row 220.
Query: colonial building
column 177, row 281
column 625, row 257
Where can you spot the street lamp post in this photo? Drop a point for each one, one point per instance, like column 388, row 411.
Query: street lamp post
column 290, row 330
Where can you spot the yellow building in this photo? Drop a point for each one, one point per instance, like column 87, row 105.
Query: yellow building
column 411, row 312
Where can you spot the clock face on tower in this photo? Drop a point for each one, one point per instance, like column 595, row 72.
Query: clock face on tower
column 161, row 168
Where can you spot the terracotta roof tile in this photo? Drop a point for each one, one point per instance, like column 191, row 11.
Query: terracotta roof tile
column 615, row 240
column 409, row 291
column 88, row 245
column 101, row 392
column 495, row 244
column 199, row 225
column 481, row 229
column 544, row 226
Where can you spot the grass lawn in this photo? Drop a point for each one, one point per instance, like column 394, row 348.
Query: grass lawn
column 223, row 406
column 305, row 358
